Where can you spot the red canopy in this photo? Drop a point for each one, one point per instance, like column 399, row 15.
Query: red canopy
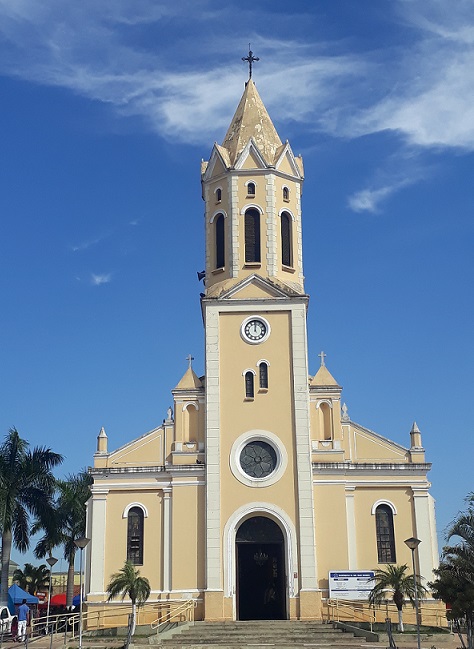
column 58, row 600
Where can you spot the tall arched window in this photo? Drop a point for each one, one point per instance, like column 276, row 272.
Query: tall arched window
column 286, row 194
column 220, row 241
column 252, row 235
column 385, row 534
column 285, row 221
column 263, row 375
column 218, row 195
column 249, row 386
column 135, row 536
column 250, row 189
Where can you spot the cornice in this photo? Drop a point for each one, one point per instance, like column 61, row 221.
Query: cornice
column 364, row 468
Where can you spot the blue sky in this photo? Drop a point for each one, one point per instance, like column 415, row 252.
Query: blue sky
column 106, row 111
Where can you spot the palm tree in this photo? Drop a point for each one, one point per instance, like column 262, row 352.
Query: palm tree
column 394, row 578
column 463, row 527
column 26, row 487
column 32, row 578
column 68, row 523
column 128, row 582
column 454, row 582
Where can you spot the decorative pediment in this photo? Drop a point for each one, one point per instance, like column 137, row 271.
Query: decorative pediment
column 251, row 157
column 145, row 450
column 370, row 446
column 217, row 164
column 255, row 286
column 286, row 162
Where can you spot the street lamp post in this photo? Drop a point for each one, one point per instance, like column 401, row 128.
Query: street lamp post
column 413, row 543
column 81, row 544
column 50, row 561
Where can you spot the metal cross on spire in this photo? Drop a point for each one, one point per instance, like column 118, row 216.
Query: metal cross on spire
column 190, row 359
column 322, row 356
column 250, row 59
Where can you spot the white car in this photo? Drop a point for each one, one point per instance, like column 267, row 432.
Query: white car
column 7, row 620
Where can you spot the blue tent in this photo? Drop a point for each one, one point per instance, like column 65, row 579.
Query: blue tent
column 16, row 595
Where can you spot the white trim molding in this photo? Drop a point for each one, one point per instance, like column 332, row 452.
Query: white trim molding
column 186, row 405
column 285, row 209
column 252, row 436
column 281, row 518
column 139, row 505
column 263, row 360
column 216, row 213
column 251, row 206
column 321, row 401
column 383, row 502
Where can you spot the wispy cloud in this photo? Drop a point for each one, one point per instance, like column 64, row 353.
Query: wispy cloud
column 369, row 200
column 85, row 245
column 103, row 278
column 422, row 89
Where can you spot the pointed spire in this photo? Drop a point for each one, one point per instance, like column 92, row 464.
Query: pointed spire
column 415, row 436
column 190, row 380
column 102, row 441
column 252, row 121
column 323, row 377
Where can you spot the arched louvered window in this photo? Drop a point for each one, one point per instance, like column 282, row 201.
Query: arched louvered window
column 250, row 189
column 218, row 195
column 286, row 194
column 249, row 385
column 263, row 375
column 135, row 536
column 385, row 534
column 252, row 235
column 285, row 221
column 220, row 241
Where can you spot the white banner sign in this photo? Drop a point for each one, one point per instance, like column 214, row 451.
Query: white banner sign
column 351, row 584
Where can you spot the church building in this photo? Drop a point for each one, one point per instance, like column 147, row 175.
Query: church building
column 257, row 484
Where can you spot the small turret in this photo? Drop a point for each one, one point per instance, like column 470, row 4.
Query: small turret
column 415, row 437
column 102, row 441
column 417, row 452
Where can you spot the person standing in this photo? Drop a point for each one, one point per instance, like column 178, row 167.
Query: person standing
column 23, row 616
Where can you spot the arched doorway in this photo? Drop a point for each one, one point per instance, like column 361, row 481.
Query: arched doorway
column 261, row 579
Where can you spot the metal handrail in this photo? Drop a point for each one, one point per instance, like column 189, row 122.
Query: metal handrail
column 338, row 610
column 181, row 612
column 59, row 623
column 356, row 613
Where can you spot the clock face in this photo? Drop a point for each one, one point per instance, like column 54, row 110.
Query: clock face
column 255, row 330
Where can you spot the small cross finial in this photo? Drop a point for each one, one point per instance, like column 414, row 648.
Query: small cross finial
column 322, row 356
column 250, row 59
column 190, row 359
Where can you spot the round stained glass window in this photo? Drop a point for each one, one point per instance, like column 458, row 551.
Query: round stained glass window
column 258, row 459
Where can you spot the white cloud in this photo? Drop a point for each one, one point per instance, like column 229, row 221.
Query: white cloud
column 104, row 278
column 369, row 200
column 85, row 245
column 421, row 89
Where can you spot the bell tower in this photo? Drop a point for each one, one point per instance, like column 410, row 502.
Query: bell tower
column 252, row 189
column 257, row 437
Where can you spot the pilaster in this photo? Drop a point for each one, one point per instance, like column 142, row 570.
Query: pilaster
column 167, row 539
column 97, row 531
column 303, row 449
column 351, row 528
column 213, row 514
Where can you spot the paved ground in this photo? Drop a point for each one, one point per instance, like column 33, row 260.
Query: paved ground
column 44, row 642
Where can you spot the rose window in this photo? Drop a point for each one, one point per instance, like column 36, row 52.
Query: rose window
column 258, row 459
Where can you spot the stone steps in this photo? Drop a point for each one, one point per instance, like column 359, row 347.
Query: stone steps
column 279, row 634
